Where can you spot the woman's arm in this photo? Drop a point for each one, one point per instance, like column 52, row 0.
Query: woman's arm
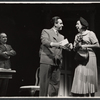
column 96, row 45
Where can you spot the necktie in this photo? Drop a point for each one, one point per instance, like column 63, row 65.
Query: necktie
column 57, row 33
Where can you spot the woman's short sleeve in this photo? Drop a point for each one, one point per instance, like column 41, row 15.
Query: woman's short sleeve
column 93, row 37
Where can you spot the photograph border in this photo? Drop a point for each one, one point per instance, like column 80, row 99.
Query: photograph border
column 49, row 2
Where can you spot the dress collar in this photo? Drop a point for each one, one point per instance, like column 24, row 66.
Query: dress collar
column 85, row 33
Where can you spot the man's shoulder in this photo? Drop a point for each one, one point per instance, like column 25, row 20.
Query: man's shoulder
column 8, row 45
column 47, row 30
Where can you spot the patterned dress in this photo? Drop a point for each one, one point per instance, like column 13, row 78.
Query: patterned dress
column 85, row 76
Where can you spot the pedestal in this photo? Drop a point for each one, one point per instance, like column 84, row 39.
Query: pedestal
column 5, row 73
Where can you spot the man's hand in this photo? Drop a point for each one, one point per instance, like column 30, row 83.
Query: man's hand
column 5, row 52
column 69, row 46
column 63, row 47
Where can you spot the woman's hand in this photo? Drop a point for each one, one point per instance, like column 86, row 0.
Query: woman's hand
column 70, row 45
column 83, row 47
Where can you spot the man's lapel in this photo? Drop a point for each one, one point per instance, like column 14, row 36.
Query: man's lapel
column 3, row 47
column 53, row 34
column 59, row 37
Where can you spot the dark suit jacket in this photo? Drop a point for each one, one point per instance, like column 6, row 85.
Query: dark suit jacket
column 47, row 53
column 4, row 58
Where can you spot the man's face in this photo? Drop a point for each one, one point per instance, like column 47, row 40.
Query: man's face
column 59, row 25
column 3, row 38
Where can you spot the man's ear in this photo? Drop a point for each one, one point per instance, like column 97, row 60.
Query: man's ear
column 56, row 24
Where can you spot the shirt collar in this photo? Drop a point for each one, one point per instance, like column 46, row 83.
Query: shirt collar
column 55, row 30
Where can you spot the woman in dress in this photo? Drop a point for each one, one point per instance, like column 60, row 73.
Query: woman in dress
column 85, row 77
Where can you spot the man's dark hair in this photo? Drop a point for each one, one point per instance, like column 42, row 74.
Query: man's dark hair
column 54, row 20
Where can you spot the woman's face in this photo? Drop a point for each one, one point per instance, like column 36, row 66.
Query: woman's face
column 78, row 25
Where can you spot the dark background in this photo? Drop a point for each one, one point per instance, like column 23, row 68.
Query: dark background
column 23, row 24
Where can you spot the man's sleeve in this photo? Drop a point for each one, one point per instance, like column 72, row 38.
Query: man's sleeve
column 45, row 38
column 11, row 52
column 3, row 55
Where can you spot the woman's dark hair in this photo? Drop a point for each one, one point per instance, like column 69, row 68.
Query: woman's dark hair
column 54, row 20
